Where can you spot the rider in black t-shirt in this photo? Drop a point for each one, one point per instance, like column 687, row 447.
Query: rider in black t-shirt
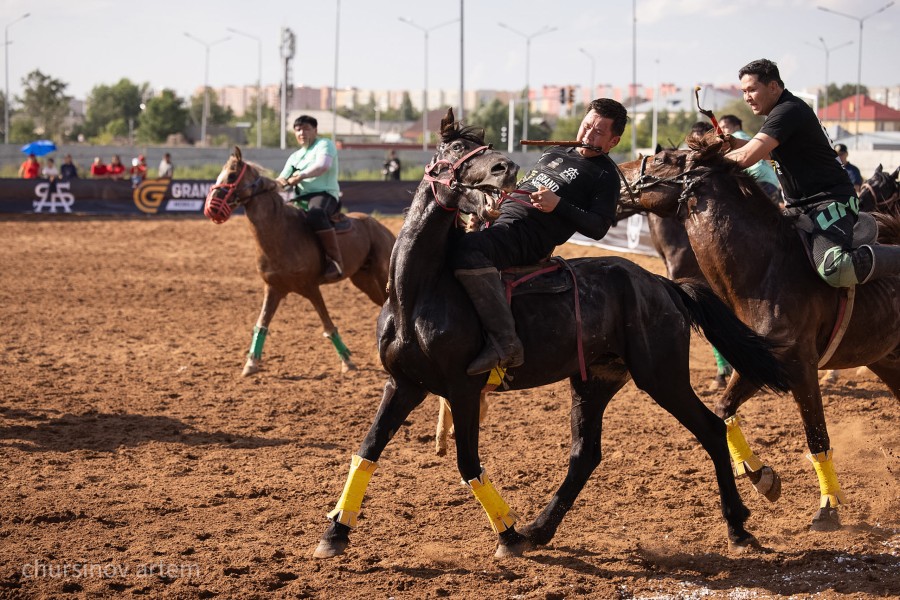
column 813, row 181
column 567, row 190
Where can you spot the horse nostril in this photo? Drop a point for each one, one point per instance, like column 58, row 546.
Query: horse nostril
column 500, row 168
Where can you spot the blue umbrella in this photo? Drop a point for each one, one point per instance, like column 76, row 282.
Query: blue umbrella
column 39, row 147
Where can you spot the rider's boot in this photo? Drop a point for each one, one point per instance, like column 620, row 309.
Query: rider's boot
column 504, row 347
column 885, row 261
column 334, row 267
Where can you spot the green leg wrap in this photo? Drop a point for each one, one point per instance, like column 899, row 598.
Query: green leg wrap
column 722, row 366
column 342, row 350
column 259, row 338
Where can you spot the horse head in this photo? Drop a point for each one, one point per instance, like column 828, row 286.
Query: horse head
column 236, row 184
column 880, row 192
column 466, row 174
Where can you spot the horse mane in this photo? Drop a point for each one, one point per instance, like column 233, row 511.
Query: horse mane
column 710, row 151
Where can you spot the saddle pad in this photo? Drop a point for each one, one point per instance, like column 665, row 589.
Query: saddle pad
column 342, row 223
column 554, row 282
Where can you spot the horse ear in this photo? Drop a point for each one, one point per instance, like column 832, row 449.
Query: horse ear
column 448, row 123
column 236, row 153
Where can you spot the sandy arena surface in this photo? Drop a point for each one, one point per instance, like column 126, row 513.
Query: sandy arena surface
column 136, row 461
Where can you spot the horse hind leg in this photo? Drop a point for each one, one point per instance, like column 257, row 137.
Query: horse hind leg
column 445, row 422
column 271, row 299
column 330, row 331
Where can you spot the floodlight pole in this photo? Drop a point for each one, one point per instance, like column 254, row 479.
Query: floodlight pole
column 6, row 43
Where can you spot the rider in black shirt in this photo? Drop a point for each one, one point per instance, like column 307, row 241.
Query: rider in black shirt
column 567, row 190
column 813, row 181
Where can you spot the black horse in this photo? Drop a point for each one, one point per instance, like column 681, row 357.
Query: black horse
column 635, row 325
column 880, row 193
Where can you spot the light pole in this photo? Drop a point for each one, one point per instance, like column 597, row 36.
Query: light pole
column 207, row 45
column 426, row 30
column 528, row 38
column 827, row 53
column 6, row 43
column 258, row 83
column 593, row 63
column 859, row 63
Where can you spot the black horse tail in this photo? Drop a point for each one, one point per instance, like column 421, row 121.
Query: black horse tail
column 751, row 354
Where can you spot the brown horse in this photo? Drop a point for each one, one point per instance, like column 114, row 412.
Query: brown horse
column 755, row 260
column 289, row 257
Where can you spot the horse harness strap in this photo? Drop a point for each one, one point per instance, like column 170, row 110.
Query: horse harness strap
column 450, row 180
column 559, row 264
column 845, row 311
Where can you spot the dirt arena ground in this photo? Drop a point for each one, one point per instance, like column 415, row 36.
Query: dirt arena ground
column 136, row 461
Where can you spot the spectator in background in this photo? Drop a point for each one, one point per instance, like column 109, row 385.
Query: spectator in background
column 50, row 171
column 851, row 169
column 31, row 168
column 138, row 170
column 166, row 168
column 115, row 169
column 98, row 169
column 68, row 170
column 391, row 170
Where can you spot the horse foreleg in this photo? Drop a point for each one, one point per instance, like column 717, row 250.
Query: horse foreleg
column 809, row 400
column 396, row 404
column 271, row 299
column 763, row 477
column 314, row 295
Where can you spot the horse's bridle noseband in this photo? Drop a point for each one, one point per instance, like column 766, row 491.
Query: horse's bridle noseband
column 219, row 208
column 688, row 179
column 451, row 180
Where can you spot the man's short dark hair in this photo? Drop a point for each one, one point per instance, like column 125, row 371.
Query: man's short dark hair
column 700, row 127
column 764, row 69
column 306, row 120
column 840, row 148
column 610, row 109
column 733, row 121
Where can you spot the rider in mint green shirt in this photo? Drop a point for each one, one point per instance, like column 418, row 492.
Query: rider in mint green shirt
column 762, row 171
column 312, row 171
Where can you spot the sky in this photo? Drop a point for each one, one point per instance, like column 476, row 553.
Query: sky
column 364, row 44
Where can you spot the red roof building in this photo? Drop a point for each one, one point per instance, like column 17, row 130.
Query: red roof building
column 873, row 116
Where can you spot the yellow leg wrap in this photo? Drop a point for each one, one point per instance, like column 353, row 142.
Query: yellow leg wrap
column 350, row 501
column 828, row 483
column 498, row 511
column 744, row 459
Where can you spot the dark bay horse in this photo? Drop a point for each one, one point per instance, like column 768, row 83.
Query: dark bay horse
column 881, row 192
column 754, row 259
column 636, row 325
column 289, row 257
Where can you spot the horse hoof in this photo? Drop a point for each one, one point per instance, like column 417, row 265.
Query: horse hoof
column 745, row 544
column 250, row 368
column 513, row 550
column 830, row 376
column 719, row 383
column 769, row 484
column 347, row 366
column 826, row 519
column 330, row 548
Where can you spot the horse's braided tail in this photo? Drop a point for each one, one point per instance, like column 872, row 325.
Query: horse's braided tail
column 748, row 352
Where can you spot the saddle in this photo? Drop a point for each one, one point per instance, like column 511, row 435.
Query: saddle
column 549, row 276
column 341, row 223
column 864, row 232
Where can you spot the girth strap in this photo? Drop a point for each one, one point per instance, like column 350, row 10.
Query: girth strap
column 845, row 311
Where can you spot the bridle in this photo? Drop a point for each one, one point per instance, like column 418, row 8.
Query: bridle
column 449, row 177
column 688, row 179
column 219, row 208
column 883, row 201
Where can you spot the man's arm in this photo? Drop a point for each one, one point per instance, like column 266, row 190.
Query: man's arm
column 749, row 152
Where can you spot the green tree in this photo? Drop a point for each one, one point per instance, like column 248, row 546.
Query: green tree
column 45, row 101
column 21, row 129
column 271, row 132
column 836, row 94
column 492, row 117
column 218, row 114
column 164, row 115
column 121, row 101
column 407, row 112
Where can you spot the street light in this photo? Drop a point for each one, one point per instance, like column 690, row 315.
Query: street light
column 590, row 58
column 258, row 84
column 207, row 45
column 859, row 64
column 827, row 52
column 528, row 38
column 6, row 43
column 425, row 31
